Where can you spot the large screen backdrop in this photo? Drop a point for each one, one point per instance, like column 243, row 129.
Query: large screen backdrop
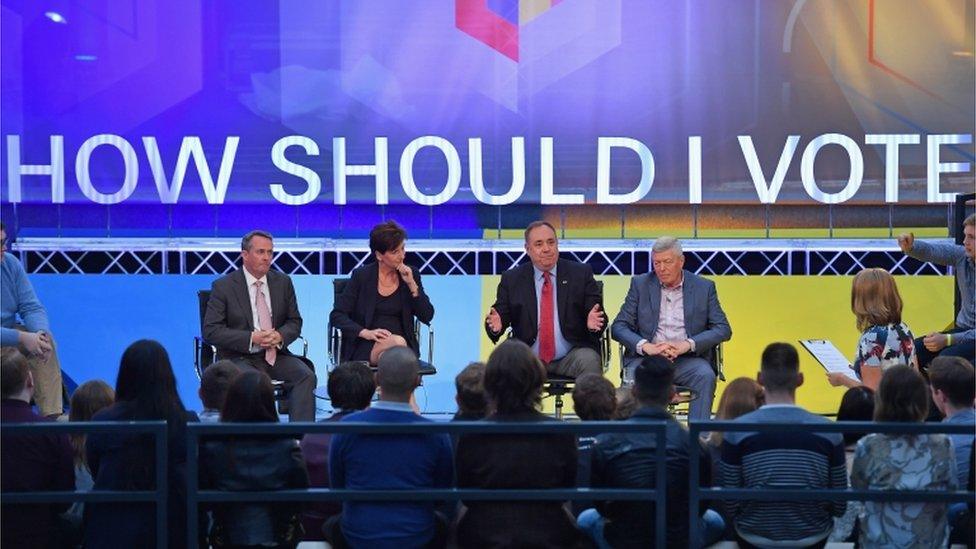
column 455, row 117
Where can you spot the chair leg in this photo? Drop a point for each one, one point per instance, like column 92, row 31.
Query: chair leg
column 559, row 406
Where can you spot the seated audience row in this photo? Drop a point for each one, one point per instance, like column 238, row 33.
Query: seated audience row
column 508, row 389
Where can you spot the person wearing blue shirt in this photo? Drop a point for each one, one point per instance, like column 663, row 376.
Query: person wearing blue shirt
column 25, row 325
column 390, row 462
column 961, row 340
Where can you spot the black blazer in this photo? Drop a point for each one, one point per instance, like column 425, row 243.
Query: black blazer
column 354, row 308
column 229, row 320
column 576, row 293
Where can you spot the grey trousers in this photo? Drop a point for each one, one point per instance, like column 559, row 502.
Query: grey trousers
column 299, row 382
column 578, row 361
column 695, row 373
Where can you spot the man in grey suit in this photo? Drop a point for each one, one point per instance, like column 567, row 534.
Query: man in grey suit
column 252, row 317
column 673, row 313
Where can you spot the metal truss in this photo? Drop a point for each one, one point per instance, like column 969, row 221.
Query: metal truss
column 813, row 257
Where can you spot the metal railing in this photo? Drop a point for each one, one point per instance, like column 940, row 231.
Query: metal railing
column 698, row 493
column 195, row 496
column 159, row 496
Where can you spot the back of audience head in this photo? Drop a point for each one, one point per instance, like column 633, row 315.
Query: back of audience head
column 146, row 382
column 626, row 403
column 779, row 372
column 875, row 300
column 250, row 399
column 654, row 381
column 214, row 382
column 397, row 374
column 15, row 377
column 514, row 378
column 594, row 398
column 88, row 398
column 741, row 396
column 470, row 387
column 857, row 405
column 953, row 382
column 351, row 386
column 902, row 396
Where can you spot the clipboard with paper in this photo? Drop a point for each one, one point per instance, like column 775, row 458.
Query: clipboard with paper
column 828, row 356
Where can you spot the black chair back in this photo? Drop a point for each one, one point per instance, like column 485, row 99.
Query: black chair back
column 206, row 357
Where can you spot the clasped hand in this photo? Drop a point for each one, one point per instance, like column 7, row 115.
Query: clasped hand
column 265, row 338
column 668, row 349
column 375, row 335
column 36, row 343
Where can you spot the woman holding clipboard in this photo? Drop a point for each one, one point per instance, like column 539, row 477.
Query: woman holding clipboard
column 885, row 340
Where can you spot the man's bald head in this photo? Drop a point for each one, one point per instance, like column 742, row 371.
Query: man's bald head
column 397, row 374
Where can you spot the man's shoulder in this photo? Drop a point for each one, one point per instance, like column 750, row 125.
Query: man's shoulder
column 228, row 279
column 11, row 265
column 515, row 273
column 576, row 268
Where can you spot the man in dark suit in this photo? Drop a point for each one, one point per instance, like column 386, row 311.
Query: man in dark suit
column 674, row 313
column 553, row 305
column 252, row 317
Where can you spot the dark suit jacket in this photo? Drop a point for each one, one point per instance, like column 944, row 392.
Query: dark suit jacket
column 229, row 320
column 355, row 307
column 705, row 321
column 576, row 293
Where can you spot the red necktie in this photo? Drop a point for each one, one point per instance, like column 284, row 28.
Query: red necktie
column 547, row 341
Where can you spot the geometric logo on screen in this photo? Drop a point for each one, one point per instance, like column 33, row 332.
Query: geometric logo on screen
column 496, row 22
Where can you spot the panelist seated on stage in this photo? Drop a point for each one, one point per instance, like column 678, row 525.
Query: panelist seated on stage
column 376, row 310
column 960, row 340
column 674, row 313
column 553, row 305
column 252, row 317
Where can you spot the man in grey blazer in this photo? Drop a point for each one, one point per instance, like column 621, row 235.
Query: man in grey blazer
column 676, row 314
column 252, row 317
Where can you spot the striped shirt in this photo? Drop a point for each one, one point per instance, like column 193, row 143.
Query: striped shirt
column 794, row 460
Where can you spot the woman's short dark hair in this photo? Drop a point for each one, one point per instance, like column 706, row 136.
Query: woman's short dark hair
column 594, row 397
column 386, row 236
column 250, row 399
column 146, row 382
column 857, row 405
column 514, row 378
column 902, row 396
column 351, row 386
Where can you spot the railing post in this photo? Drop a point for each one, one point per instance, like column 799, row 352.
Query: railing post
column 162, row 486
column 694, row 530
column 192, row 486
column 660, row 490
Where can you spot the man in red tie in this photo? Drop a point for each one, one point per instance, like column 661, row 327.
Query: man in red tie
column 252, row 317
column 552, row 304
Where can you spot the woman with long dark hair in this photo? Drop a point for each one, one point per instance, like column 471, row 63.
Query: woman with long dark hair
column 144, row 391
column 253, row 463
column 377, row 309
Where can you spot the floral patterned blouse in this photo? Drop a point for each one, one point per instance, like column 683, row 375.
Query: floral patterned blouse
column 902, row 462
column 885, row 346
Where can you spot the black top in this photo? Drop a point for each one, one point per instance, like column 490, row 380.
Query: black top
column 389, row 313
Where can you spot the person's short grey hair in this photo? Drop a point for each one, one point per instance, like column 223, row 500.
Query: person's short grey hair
column 970, row 220
column 246, row 241
column 397, row 371
column 665, row 243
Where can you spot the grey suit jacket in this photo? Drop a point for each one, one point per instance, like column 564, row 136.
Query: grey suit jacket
column 229, row 320
column 705, row 322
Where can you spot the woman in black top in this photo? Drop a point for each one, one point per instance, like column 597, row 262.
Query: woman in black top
column 376, row 310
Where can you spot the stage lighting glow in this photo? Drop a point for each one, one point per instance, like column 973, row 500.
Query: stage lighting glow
column 56, row 17
column 86, row 57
